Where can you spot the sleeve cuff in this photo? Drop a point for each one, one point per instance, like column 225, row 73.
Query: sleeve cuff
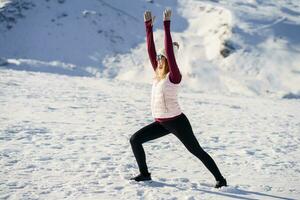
column 148, row 23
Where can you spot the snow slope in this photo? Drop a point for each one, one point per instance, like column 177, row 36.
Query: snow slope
column 68, row 137
column 258, row 40
column 262, row 38
column 72, row 37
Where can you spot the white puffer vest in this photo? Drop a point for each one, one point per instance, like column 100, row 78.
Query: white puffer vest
column 164, row 100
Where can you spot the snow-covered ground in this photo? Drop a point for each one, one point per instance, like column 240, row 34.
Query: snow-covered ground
column 68, row 137
column 259, row 41
column 75, row 82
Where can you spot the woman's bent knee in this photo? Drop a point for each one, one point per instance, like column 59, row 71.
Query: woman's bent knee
column 134, row 140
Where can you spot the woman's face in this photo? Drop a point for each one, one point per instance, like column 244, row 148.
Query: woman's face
column 162, row 67
column 161, row 62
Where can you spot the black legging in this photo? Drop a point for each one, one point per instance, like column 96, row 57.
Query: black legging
column 182, row 129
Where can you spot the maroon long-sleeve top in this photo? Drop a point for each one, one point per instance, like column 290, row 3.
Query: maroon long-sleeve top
column 174, row 76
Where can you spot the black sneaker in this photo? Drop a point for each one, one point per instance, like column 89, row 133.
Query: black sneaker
column 221, row 183
column 142, row 177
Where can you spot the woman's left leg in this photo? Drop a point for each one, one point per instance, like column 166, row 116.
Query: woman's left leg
column 182, row 129
column 150, row 132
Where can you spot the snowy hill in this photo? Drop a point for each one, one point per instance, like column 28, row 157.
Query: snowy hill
column 71, row 37
column 236, row 47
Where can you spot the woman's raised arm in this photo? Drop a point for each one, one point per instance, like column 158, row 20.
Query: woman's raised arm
column 148, row 19
column 175, row 76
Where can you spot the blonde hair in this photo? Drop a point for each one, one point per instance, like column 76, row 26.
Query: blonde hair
column 166, row 70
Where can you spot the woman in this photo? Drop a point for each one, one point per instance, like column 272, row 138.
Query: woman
column 165, row 108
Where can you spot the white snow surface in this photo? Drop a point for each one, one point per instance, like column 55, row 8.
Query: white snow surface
column 68, row 137
column 75, row 85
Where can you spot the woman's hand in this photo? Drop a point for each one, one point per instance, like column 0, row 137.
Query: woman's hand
column 167, row 14
column 148, row 16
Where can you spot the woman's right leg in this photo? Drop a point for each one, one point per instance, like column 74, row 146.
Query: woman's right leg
column 149, row 132
column 182, row 129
